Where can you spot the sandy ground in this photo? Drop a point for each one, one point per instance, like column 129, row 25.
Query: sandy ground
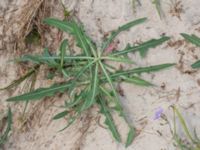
column 178, row 85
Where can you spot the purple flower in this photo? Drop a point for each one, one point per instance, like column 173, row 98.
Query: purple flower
column 158, row 113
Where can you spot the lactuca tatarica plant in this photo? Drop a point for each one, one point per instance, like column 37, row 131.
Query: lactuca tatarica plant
column 88, row 79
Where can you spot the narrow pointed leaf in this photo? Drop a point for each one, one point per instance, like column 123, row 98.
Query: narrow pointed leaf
column 136, row 80
column 157, row 4
column 62, row 25
column 119, row 59
column 31, row 58
column 192, row 39
column 196, row 64
column 91, row 97
column 131, row 136
column 81, row 38
column 41, row 93
column 63, row 51
column 183, row 123
column 60, row 115
column 108, row 78
column 109, row 120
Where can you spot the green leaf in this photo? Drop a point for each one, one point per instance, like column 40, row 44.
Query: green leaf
column 109, row 120
column 118, row 59
column 63, row 46
column 117, row 100
column 31, row 58
column 157, row 4
column 107, row 93
column 80, row 73
column 60, row 115
column 78, row 57
column 50, row 62
column 77, row 99
column 92, row 46
column 192, row 39
column 91, row 97
column 41, row 93
column 142, row 48
column 196, row 64
column 4, row 136
column 73, row 28
column 136, row 80
column 141, row 70
column 131, row 136
column 39, row 59
column 62, row 25
column 81, row 38
column 120, row 29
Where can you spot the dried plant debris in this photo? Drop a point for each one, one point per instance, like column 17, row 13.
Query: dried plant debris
column 157, row 3
column 176, row 8
column 87, row 77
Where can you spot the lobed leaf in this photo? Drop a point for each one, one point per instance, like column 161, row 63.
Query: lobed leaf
column 141, row 70
column 81, row 39
column 109, row 120
column 142, row 48
column 120, row 29
column 39, row 59
column 62, row 25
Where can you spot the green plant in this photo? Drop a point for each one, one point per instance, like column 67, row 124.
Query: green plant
column 157, row 4
column 191, row 143
column 196, row 41
column 88, row 78
column 4, row 136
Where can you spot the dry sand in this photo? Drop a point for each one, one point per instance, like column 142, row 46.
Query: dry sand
column 178, row 85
